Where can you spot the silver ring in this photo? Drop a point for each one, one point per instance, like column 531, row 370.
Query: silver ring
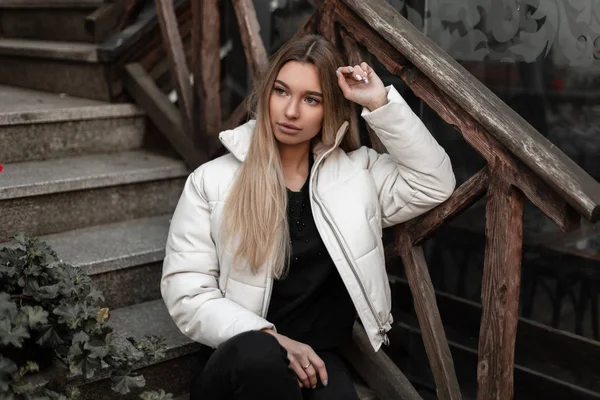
column 307, row 365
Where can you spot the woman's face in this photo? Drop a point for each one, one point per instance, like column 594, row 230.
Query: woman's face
column 296, row 104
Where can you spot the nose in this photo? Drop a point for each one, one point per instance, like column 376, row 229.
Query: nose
column 292, row 109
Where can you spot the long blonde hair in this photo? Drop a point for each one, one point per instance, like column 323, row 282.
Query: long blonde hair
column 255, row 216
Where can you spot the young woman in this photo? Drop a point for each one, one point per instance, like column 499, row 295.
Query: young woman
column 275, row 248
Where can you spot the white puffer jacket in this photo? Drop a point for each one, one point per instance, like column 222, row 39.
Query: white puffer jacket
column 353, row 196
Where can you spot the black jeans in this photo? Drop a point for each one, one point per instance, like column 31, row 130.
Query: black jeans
column 252, row 365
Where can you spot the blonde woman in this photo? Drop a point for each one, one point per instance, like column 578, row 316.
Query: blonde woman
column 275, row 248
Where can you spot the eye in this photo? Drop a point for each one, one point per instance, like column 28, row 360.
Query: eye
column 312, row 100
column 279, row 91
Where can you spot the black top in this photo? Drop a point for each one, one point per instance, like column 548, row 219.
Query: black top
column 310, row 304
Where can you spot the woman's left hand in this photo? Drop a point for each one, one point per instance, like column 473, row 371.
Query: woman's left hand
column 361, row 85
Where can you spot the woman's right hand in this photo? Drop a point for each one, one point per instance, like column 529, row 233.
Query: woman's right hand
column 301, row 355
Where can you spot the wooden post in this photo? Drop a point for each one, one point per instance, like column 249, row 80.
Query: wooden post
column 174, row 48
column 206, row 68
column 256, row 54
column 434, row 337
column 500, row 289
column 327, row 20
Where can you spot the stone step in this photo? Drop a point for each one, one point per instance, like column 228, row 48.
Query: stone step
column 50, row 4
column 44, row 197
column 124, row 259
column 48, row 21
column 53, row 66
column 38, row 125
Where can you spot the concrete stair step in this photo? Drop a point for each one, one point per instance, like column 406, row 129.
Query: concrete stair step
column 54, row 66
column 44, row 197
column 48, row 20
column 50, row 4
column 55, row 50
column 38, row 125
column 124, row 259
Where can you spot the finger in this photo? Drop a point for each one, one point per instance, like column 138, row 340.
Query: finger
column 359, row 74
column 299, row 383
column 319, row 366
column 368, row 70
column 346, row 69
column 342, row 83
column 312, row 374
column 295, row 365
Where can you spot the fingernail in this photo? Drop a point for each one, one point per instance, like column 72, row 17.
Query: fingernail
column 350, row 69
column 358, row 77
column 314, row 387
column 366, row 80
column 337, row 73
column 325, row 382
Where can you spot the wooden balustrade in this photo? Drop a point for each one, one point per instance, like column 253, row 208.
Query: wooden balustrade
column 521, row 163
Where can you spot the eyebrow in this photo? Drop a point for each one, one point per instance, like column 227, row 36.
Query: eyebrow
column 307, row 92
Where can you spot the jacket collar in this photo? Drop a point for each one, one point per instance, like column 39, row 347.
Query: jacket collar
column 237, row 140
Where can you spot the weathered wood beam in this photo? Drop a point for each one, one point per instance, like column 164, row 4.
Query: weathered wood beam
column 161, row 112
column 538, row 192
column 377, row 369
column 326, row 27
column 387, row 55
column 466, row 195
column 500, row 288
column 176, row 54
column 574, row 185
column 256, row 55
column 434, row 337
column 206, row 68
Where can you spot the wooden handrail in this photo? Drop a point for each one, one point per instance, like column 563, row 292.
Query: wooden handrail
column 548, row 162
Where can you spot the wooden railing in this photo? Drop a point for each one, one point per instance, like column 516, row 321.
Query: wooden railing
column 521, row 163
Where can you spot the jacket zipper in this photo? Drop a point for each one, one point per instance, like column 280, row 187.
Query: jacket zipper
column 349, row 260
column 386, row 340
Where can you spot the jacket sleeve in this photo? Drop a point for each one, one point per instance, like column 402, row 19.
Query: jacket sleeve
column 416, row 174
column 189, row 284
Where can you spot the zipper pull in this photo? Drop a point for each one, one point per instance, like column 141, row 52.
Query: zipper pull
column 386, row 340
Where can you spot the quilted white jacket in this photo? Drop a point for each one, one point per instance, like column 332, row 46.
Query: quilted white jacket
column 353, row 196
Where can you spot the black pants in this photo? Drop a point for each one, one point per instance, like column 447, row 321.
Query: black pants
column 252, row 365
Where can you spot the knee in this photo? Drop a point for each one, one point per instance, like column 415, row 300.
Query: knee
column 255, row 353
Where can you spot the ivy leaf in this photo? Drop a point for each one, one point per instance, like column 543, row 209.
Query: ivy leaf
column 103, row 315
column 97, row 349
column 124, row 383
column 7, row 369
column 21, row 238
column 8, row 308
column 49, row 337
column 96, row 295
column 68, row 314
column 34, row 316
column 12, row 335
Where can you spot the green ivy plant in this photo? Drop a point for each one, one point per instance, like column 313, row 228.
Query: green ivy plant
column 50, row 307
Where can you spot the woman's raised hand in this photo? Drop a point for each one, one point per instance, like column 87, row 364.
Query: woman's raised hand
column 303, row 361
column 361, row 85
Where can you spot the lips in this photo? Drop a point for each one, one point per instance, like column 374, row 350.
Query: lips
column 288, row 129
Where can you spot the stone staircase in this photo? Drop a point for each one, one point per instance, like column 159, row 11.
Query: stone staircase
column 92, row 178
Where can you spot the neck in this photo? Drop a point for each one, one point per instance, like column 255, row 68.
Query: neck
column 294, row 159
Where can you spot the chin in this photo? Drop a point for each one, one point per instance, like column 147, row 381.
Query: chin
column 290, row 140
